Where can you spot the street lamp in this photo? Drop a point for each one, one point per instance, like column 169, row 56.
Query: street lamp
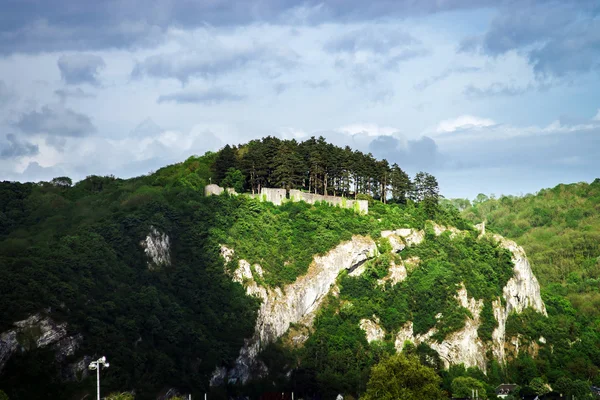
column 95, row 365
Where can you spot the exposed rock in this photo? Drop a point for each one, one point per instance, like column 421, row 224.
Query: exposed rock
column 463, row 346
column 372, row 329
column 439, row 229
column 520, row 292
column 67, row 346
column 227, row 253
column 157, row 248
column 297, row 302
column 77, row 371
column 412, row 263
column 35, row 332
column 397, row 273
column 411, row 237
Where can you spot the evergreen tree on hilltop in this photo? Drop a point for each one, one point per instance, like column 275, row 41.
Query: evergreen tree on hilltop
column 400, row 184
column 288, row 166
column 226, row 158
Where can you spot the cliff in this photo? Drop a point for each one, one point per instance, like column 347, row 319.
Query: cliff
column 298, row 301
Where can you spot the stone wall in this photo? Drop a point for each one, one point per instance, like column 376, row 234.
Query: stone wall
column 275, row 196
column 279, row 196
column 360, row 206
column 211, row 189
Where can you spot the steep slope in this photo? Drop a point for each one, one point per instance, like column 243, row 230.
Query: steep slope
column 560, row 230
column 458, row 341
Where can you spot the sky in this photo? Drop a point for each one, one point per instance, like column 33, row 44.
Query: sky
column 495, row 97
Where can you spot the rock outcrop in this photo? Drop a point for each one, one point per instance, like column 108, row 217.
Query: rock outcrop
column 157, row 247
column 520, row 292
column 37, row 331
column 295, row 303
column 372, row 329
column 463, row 346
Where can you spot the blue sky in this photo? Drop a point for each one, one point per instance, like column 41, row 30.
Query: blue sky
column 496, row 97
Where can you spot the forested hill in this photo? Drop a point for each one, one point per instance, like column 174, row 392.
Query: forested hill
column 73, row 252
column 560, row 230
column 133, row 269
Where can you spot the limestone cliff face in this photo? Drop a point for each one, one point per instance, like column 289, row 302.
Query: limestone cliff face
column 37, row 331
column 295, row 303
column 157, row 247
column 298, row 301
column 521, row 291
column 464, row 346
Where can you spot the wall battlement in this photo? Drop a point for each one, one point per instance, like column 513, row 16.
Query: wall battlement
column 280, row 196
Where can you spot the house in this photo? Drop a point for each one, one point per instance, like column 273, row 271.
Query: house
column 505, row 389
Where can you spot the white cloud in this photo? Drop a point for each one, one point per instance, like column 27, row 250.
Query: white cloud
column 368, row 129
column 463, row 122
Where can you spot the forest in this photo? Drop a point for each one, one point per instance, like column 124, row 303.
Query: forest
column 72, row 250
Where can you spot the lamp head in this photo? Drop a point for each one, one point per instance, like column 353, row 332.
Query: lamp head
column 106, row 365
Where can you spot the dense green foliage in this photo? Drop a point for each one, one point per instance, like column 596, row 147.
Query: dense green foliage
column 319, row 167
column 74, row 252
column 560, row 230
column 465, row 386
column 403, row 377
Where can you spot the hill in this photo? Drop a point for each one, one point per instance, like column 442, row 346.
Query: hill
column 179, row 290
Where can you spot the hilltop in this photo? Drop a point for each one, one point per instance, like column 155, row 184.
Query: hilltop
column 180, row 290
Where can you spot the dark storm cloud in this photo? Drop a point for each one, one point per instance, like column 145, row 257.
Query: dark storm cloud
column 56, row 121
column 80, row 68
column 209, row 97
column 558, row 37
column 31, row 26
column 12, row 147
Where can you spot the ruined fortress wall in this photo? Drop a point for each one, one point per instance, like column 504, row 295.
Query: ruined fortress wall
column 278, row 196
column 360, row 206
column 211, row 189
column 275, row 196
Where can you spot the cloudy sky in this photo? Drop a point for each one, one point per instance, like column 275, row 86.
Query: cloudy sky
column 490, row 96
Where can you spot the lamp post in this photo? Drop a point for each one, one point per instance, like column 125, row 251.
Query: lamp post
column 95, row 365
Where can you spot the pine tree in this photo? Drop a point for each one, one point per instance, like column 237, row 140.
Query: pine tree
column 400, row 183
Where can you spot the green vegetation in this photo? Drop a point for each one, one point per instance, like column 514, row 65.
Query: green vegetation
column 560, row 230
column 403, row 377
column 464, row 386
column 73, row 252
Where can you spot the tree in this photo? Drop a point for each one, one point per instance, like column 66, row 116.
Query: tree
column 226, row 159
column 463, row 386
column 3, row 396
column 62, row 181
column 400, row 183
column 539, row 386
column 563, row 385
column 288, row 166
column 403, row 377
column 234, row 179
